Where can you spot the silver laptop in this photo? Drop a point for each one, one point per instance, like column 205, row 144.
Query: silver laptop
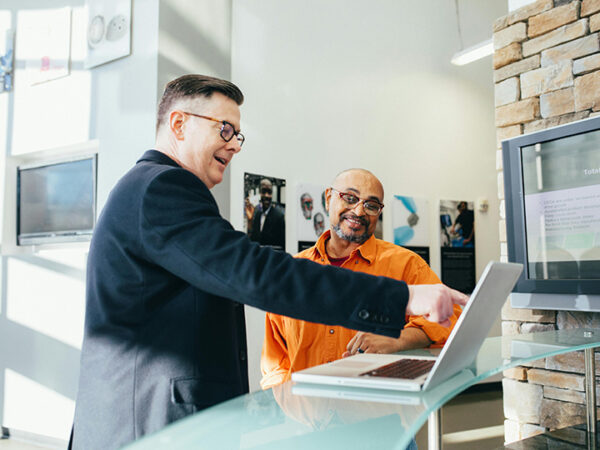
column 415, row 373
column 363, row 394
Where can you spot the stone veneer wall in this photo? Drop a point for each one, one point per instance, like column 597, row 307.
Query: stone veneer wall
column 546, row 73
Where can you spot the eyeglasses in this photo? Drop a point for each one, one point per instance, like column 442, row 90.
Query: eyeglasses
column 227, row 129
column 371, row 207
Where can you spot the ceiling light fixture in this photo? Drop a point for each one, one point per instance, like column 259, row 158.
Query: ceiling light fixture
column 477, row 51
column 473, row 53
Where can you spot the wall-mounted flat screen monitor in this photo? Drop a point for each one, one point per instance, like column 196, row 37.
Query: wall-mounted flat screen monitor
column 552, row 194
column 56, row 201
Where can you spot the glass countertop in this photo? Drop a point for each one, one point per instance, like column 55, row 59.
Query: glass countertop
column 308, row 416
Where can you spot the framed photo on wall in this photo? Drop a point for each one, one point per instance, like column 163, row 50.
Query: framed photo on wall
column 264, row 209
column 7, row 42
column 108, row 32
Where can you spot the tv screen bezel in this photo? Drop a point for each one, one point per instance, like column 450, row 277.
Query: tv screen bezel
column 70, row 236
column 515, row 208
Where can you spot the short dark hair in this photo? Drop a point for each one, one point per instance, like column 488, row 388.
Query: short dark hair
column 195, row 86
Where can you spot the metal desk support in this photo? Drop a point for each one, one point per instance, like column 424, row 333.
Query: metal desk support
column 590, row 391
column 434, row 430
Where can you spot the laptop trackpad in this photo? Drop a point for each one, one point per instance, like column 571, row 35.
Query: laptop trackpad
column 350, row 364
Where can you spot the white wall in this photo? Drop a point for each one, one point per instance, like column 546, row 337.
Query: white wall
column 195, row 37
column 339, row 84
column 42, row 295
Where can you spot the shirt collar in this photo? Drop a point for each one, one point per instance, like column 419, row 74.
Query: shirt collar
column 367, row 250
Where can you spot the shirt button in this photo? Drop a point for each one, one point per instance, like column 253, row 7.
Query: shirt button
column 242, row 355
column 386, row 319
column 331, row 331
column 356, row 262
column 363, row 314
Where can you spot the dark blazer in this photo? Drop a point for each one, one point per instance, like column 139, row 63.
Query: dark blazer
column 273, row 231
column 164, row 327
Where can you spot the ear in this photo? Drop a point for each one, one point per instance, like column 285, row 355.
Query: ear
column 327, row 198
column 177, row 120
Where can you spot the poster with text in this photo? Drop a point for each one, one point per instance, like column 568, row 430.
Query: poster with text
column 457, row 242
column 264, row 210
column 45, row 43
column 410, row 222
column 312, row 218
column 108, row 32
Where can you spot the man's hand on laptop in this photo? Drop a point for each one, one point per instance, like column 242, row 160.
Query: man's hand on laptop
column 434, row 302
column 410, row 338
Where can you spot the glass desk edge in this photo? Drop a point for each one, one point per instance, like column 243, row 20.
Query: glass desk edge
column 492, row 359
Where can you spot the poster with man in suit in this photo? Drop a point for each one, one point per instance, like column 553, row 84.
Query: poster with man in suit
column 264, row 209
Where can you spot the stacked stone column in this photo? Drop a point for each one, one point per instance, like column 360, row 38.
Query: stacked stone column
column 546, row 73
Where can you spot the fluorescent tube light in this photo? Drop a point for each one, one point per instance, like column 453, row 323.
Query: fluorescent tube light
column 473, row 53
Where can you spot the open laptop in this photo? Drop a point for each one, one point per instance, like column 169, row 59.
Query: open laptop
column 363, row 394
column 372, row 370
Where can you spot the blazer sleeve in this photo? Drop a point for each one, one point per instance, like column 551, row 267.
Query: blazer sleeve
column 182, row 231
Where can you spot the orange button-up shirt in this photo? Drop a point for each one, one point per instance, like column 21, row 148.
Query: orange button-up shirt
column 291, row 345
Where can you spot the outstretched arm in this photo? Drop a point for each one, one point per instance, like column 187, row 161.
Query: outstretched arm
column 435, row 302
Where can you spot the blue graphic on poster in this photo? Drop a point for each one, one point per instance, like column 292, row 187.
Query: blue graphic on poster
column 410, row 221
column 7, row 39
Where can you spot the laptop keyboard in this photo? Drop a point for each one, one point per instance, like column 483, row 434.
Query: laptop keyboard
column 403, row 368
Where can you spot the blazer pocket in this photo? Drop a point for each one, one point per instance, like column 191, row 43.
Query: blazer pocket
column 198, row 392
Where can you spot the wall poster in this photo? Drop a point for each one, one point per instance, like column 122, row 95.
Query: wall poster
column 108, row 31
column 312, row 217
column 410, row 221
column 45, row 44
column 7, row 45
column 457, row 241
column 378, row 233
column 264, row 210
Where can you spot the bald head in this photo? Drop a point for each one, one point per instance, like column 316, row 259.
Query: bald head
column 353, row 178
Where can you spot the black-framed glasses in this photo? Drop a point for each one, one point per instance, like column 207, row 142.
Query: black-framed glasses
column 371, row 207
column 227, row 128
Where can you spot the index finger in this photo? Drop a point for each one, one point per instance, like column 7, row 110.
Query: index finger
column 351, row 342
column 458, row 297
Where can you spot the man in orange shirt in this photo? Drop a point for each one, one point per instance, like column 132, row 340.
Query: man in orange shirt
column 354, row 204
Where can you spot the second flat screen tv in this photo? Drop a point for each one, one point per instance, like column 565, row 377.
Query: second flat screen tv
column 56, row 202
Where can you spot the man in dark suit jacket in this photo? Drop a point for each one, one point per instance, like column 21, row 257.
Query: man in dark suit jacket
column 164, row 328
column 267, row 226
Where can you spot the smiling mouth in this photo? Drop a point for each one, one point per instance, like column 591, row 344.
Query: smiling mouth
column 354, row 222
column 221, row 160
